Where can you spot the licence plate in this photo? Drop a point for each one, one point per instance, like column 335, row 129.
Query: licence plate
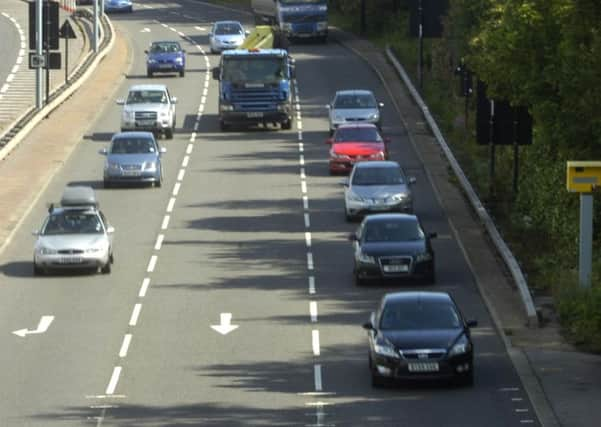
column 254, row 114
column 165, row 66
column 70, row 260
column 396, row 268
column 145, row 123
column 423, row 367
column 131, row 173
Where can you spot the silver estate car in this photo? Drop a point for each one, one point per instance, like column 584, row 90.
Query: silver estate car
column 354, row 106
column 133, row 157
column 226, row 35
column 75, row 235
column 374, row 187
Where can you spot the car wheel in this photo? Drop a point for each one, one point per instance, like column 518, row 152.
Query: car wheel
column 358, row 280
column 287, row 125
column 148, row 73
column 182, row 73
column 37, row 271
column 106, row 184
column 106, row 269
column 377, row 381
column 223, row 126
column 159, row 183
column 169, row 133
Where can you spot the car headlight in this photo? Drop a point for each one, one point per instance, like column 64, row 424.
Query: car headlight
column 461, row 347
column 399, row 197
column 150, row 166
column 286, row 26
column 384, row 348
column 335, row 155
column 179, row 60
column 426, row 256
column 374, row 116
column 47, row 251
column 323, row 25
column 377, row 156
column 152, row 61
column 354, row 197
column 128, row 115
column 113, row 166
column 366, row 259
column 226, row 107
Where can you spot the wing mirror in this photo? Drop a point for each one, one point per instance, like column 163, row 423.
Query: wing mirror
column 162, row 150
column 353, row 237
column 381, row 104
column 146, row 51
column 345, row 182
column 329, row 141
column 174, row 99
column 246, row 33
column 411, row 180
column 472, row 323
column 328, row 106
column 120, row 101
column 368, row 326
column 35, row 233
column 387, row 140
column 110, row 229
column 215, row 72
column 103, row 151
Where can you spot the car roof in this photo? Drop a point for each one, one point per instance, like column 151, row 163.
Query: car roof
column 356, row 125
column 389, row 216
column 354, row 92
column 133, row 134
column 148, row 87
column 377, row 164
column 417, row 297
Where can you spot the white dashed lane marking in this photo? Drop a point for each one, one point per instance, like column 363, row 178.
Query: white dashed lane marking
column 309, row 261
column 311, row 285
column 125, row 345
column 133, row 320
column 159, row 242
column 315, row 342
column 114, row 380
column 152, row 263
column 165, row 223
column 317, row 377
column 171, row 204
column 144, row 287
column 313, row 311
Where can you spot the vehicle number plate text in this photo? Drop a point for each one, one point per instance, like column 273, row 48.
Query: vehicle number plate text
column 70, row 260
column 396, row 268
column 423, row 367
column 254, row 114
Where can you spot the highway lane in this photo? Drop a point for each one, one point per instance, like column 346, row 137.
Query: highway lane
column 11, row 43
column 236, row 243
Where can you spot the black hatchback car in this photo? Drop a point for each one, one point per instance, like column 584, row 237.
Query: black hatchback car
column 417, row 336
column 392, row 246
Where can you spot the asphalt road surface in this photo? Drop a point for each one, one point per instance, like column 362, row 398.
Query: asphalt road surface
column 247, row 223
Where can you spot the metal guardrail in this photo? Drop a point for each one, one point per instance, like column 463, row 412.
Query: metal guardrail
column 501, row 246
column 32, row 115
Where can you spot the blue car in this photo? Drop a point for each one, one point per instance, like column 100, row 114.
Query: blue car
column 118, row 6
column 133, row 157
column 166, row 57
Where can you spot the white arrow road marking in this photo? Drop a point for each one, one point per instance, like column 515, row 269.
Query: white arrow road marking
column 225, row 327
column 43, row 326
column 145, row 30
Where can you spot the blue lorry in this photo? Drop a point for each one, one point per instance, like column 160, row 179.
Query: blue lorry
column 255, row 87
column 297, row 18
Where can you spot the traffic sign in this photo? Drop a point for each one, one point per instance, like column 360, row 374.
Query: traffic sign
column 49, row 25
column 37, row 61
column 66, row 31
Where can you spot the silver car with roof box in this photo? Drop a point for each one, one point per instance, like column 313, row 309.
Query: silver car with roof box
column 75, row 235
column 375, row 187
column 354, row 106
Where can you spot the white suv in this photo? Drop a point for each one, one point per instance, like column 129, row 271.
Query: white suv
column 149, row 108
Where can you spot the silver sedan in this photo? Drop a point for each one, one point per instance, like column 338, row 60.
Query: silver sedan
column 354, row 106
column 226, row 35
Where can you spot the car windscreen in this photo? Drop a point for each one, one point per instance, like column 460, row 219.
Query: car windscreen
column 355, row 101
column 425, row 315
column 254, row 69
column 147, row 97
column 377, row 176
column 363, row 134
column 394, row 230
column 165, row 47
column 72, row 222
column 133, row 146
column 229, row 29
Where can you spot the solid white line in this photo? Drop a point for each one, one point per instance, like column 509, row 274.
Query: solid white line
column 311, row 285
column 190, row 147
column 165, row 223
column 152, row 263
column 509, row 389
column 317, row 375
column 165, row 25
column 196, row 126
column 313, row 311
column 171, row 204
column 176, row 188
column 302, row 160
column 159, row 242
column 192, row 139
column 10, row 78
column 307, row 220
column 173, row 29
column 125, row 345
column 521, row 410
column 6, row 15
column 180, row 175
column 19, row 60
column 200, row 28
column 114, row 380
column 205, row 91
column 315, row 342
column 308, row 238
column 185, row 161
column 22, row 52
column 144, row 287
column 304, row 187
column 206, row 84
column 135, row 314
column 309, row 261
column 305, row 202
column 516, row 399
column 203, row 99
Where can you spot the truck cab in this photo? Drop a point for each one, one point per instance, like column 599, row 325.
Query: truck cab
column 296, row 18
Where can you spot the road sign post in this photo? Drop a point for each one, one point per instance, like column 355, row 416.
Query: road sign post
column 38, row 50
column 66, row 32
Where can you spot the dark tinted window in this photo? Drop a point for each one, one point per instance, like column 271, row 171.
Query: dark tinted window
column 400, row 230
column 75, row 222
column 409, row 315
column 363, row 134
column 355, row 101
column 377, row 176
column 133, row 146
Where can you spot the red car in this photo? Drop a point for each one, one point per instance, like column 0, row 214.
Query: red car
column 356, row 143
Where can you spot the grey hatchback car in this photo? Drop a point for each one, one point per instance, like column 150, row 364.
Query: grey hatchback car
column 354, row 106
column 133, row 157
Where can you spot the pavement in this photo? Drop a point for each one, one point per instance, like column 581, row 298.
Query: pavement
column 564, row 385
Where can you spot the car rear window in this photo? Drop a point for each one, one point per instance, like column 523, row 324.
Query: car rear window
column 363, row 134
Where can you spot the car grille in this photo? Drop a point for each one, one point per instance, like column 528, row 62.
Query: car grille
column 145, row 115
column 70, row 251
column 165, row 61
column 255, row 99
column 295, row 19
column 402, row 262
column 131, row 167
column 423, row 354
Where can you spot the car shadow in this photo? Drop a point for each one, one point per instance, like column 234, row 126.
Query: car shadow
column 25, row 269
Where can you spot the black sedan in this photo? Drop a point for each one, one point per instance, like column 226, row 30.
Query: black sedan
column 420, row 335
column 392, row 246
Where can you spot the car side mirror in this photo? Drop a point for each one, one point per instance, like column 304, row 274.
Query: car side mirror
column 146, row 51
column 411, row 180
column 433, row 235
column 246, row 33
column 162, row 150
column 120, row 101
column 174, row 99
column 329, row 141
column 344, row 182
column 103, row 151
column 368, row 326
column 472, row 323
column 353, row 237
column 381, row 104
column 328, row 106
column 35, row 233
column 215, row 73
column 110, row 229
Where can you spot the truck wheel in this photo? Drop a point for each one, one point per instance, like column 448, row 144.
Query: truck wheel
column 223, row 126
column 106, row 269
column 148, row 73
column 287, row 125
column 182, row 73
column 37, row 271
column 169, row 133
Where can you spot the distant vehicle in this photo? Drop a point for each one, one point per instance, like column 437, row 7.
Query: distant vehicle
column 149, row 108
column 133, row 157
column 352, row 106
column 165, row 57
column 118, row 6
column 420, row 336
column 392, row 246
column 74, row 235
column 355, row 143
column 226, row 35
column 297, row 18
column 375, row 187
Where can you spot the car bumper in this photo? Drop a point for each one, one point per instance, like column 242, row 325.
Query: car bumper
column 359, row 209
column 335, row 125
column 221, row 48
column 344, row 165
column 398, row 369
column 78, row 261
column 137, row 176
column 165, row 68
column 366, row 271
column 255, row 117
column 158, row 125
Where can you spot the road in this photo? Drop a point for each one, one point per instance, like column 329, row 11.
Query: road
column 248, row 223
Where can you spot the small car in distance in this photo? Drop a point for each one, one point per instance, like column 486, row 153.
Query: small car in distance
column 354, row 106
column 392, row 246
column 149, row 108
column 165, row 57
column 374, row 187
column 133, row 157
column 75, row 235
column 226, row 35
column 355, row 143
column 420, row 336
column 118, row 6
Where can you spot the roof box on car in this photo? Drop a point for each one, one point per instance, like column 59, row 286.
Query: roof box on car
column 79, row 196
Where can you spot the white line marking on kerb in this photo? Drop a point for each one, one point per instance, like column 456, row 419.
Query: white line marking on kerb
column 152, row 263
column 307, row 221
column 144, row 287
column 171, row 204
column 313, row 311
column 317, row 375
column 176, row 188
column 309, row 260
column 159, row 242
column 135, row 314
column 165, row 223
column 312, row 285
column 308, row 238
column 180, row 175
column 125, row 345
column 185, row 161
column 114, row 380
column 315, row 342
